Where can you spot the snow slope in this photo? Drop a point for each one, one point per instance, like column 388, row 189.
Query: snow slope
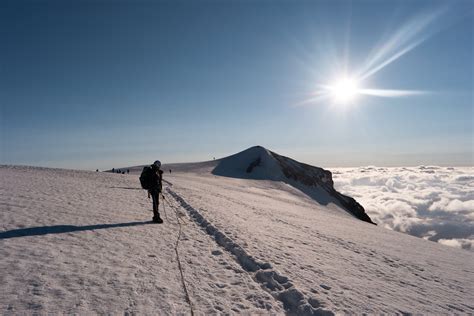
column 81, row 242
column 260, row 163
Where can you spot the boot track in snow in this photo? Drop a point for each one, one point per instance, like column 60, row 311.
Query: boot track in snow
column 279, row 286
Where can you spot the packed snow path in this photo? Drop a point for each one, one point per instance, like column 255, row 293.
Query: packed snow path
column 278, row 285
column 81, row 242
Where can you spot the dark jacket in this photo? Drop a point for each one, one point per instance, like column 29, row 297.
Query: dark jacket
column 157, row 178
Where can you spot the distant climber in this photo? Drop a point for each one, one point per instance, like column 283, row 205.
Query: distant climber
column 151, row 180
column 128, row 171
column 170, row 170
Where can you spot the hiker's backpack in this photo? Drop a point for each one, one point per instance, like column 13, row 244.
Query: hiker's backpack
column 148, row 178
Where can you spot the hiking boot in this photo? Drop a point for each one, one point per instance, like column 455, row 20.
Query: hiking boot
column 157, row 219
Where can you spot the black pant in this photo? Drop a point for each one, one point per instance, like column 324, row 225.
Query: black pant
column 155, row 194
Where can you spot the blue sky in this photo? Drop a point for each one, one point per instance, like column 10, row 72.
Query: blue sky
column 102, row 84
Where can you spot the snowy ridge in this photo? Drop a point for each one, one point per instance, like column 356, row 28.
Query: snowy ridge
column 279, row 286
column 255, row 163
column 259, row 163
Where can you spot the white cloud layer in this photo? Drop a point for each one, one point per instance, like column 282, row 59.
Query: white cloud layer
column 435, row 203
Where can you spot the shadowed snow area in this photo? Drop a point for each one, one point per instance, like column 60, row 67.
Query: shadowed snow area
column 76, row 242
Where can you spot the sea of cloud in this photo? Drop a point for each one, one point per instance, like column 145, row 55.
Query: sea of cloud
column 434, row 203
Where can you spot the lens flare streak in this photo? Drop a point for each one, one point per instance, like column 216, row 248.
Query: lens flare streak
column 391, row 93
column 406, row 38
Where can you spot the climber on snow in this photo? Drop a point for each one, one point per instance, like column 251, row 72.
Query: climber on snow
column 151, row 180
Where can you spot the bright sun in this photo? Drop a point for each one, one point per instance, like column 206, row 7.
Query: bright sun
column 345, row 90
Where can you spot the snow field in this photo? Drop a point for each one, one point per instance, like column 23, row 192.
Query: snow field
column 80, row 242
column 347, row 265
column 278, row 285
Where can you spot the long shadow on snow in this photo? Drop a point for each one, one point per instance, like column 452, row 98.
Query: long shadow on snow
column 126, row 188
column 60, row 229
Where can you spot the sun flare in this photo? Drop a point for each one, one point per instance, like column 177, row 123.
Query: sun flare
column 344, row 90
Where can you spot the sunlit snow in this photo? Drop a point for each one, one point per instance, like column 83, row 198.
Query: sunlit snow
column 76, row 242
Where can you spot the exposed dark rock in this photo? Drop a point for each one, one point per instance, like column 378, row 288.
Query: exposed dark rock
column 314, row 177
column 253, row 165
column 301, row 172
